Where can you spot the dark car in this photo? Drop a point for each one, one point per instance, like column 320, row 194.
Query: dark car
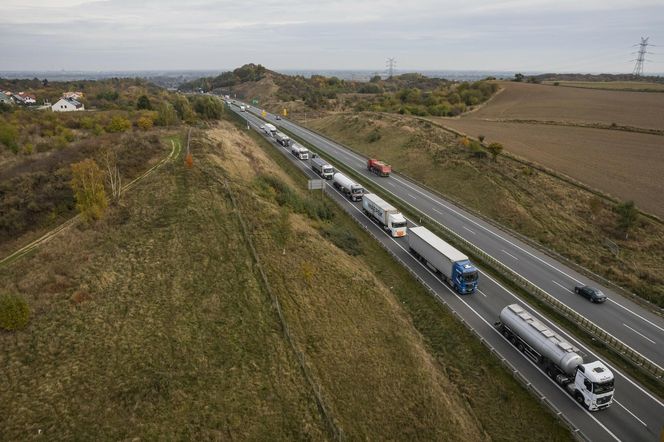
column 278, row 117
column 593, row 294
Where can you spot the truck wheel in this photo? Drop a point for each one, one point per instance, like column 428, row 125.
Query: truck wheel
column 579, row 398
column 506, row 334
column 520, row 347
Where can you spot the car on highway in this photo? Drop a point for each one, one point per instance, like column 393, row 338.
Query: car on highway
column 278, row 117
column 591, row 293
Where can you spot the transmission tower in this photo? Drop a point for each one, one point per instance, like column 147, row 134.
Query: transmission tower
column 390, row 64
column 641, row 56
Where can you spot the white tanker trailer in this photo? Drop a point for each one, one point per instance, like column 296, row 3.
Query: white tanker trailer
column 350, row 188
column 591, row 384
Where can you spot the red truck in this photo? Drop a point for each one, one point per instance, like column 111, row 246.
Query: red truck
column 378, row 167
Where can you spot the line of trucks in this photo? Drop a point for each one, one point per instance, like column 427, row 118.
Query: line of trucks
column 590, row 384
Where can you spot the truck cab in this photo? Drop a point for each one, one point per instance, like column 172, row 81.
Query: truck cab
column 593, row 386
column 327, row 172
column 397, row 225
column 464, row 277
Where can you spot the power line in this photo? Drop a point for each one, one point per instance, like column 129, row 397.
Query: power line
column 390, row 64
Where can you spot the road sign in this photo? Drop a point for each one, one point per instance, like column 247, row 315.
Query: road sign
column 254, row 101
column 264, row 114
column 285, row 112
column 315, row 184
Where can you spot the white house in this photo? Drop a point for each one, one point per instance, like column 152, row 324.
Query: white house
column 67, row 105
column 27, row 98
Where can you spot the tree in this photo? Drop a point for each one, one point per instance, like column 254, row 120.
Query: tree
column 112, row 172
column 166, row 115
column 208, row 107
column 143, row 102
column 495, row 149
column 375, row 79
column 183, row 108
column 87, row 182
column 518, row 77
column 627, row 216
column 481, row 138
column 14, row 312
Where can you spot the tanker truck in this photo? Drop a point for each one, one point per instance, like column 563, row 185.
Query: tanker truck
column 348, row 187
column 446, row 261
column 388, row 217
column 299, row 151
column 591, row 384
column 270, row 129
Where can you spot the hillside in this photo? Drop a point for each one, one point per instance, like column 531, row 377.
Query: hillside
column 608, row 140
column 562, row 217
column 156, row 320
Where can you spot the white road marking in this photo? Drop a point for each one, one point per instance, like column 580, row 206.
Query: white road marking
column 436, row 210
column 509, row 254
column 499, row 334
column 469, row 230
column 560, row 285
column 481, row 292
column 640, row 334
column 412, row 196
column 633, row 415
column 636, row 314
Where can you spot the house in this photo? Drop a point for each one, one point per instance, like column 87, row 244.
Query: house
column 67, row 105
column 26, row 98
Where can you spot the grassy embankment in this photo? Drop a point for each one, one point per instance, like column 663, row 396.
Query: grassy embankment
column 562, row 217
column 155, row 321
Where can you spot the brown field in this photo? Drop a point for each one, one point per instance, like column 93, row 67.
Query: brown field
column 523, row 101
column 626, row 165
column 613, row 85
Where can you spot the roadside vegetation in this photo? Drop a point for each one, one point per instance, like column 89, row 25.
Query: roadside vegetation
column 156, row 320
column 125, row 120
column 405, row 94
column 603, row 236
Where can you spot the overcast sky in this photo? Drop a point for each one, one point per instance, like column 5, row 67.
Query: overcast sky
column 528, row 35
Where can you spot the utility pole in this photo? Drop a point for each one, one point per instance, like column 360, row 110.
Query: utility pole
column 390, row 64
column 641, row 56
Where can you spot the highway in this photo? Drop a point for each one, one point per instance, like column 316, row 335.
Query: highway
column 635, row 415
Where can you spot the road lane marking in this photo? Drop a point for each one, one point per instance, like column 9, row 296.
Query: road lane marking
column 560, row 285
column 412, row 196
column 640, row 334
column 636, row 314
column 509, row 254
column 633, row 415
column 487, row 323
column 481, row 292
column 436, row 210
column 469, row 230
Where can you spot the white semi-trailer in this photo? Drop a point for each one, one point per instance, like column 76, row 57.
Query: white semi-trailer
column 322, row 168
column 270, row 129
column 386, row 214
column 348, row 187
column 282, row 139
column 300, row 152
column 591, row 384
column 449, row 263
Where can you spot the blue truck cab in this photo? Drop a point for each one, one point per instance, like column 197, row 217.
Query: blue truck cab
column 464, row 277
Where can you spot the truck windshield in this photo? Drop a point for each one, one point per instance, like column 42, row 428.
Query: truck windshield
column 327, row 170
column 357, row 191
column 604, row 387
column 470, row 277
column 397, row 225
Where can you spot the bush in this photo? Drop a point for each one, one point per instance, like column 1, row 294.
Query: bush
column 118, row 124
column 145, row 122
column 9, row 136
column 342, row 238
column 374, row 136
column 14, row 312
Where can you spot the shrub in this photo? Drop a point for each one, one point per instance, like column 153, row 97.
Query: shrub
column 143, row 102
column 14, row 312
column 9, row 136
column 495, row 149
column 118, row 124
column 166, row 115
column 88, row 185
column 145, row 122
column 342, row 238
column 374, row 136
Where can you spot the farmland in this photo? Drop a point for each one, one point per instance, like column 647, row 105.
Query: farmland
column 155, row 322
column 590, row 135
column 612, row 85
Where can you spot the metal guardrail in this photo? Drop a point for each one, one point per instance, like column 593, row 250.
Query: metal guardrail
column 574, row 430
column 639, row 361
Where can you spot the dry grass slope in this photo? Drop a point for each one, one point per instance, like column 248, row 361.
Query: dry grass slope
column 562, row 217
